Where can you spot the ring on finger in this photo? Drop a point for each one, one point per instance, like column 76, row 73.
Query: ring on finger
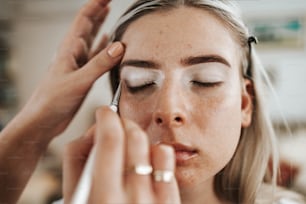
column 165, row 176
column 143, row 169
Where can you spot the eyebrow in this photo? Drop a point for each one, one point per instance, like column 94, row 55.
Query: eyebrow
column 193, row 60
column 204, row 59
column 139, row 63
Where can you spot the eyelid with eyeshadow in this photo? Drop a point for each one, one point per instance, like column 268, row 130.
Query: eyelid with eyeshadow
column 208, row 72
column 135, row 77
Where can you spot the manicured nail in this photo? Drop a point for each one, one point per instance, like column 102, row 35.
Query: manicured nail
column 115, row 50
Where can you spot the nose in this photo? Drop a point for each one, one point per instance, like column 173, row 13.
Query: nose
column 171, row 108
column 169, row 119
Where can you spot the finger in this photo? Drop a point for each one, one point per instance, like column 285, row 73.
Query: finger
column 101, row 63
column 138, row 171
column 108, row 168
column 75, row 156
column 89, row 20
column 79, row 38
column 163, row 160
column 99, row 21
column 102, row 44
column 79, row 44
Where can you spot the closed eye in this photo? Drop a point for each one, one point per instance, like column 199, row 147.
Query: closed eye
column 206, row 84
column 143, row 87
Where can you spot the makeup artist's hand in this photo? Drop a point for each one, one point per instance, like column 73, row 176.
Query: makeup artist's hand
column 121, row 146
column 74, row 70
column 56, row 100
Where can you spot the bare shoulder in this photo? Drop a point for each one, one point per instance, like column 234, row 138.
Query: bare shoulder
column 269, row 195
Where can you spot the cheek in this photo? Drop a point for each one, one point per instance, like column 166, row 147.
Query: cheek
column 215, row 130
column 219, row 123
column 222, row 114
column 139, row 112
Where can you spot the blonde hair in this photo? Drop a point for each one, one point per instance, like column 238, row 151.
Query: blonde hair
column 242, row 177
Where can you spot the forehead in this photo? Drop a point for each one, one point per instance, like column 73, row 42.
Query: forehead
column 168, row 36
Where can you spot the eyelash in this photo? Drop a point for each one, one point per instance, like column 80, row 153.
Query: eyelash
column 135, row 89
column 206, row 84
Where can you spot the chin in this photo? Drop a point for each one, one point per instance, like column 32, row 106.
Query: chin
column 187, row 177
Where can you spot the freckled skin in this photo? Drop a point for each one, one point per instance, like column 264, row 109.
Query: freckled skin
column 211, row 119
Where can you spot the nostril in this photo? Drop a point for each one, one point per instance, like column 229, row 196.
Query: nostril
column 168, row 120
column 159, row 121
column 178, row 119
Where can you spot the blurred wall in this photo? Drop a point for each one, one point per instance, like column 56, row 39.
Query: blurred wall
column 288, row 64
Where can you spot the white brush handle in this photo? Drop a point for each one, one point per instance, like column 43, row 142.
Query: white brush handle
column 83, row 188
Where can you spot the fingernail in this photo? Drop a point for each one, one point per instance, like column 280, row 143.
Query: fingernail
column 166, row 148
column 115, row 50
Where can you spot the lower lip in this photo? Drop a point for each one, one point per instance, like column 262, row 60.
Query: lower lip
column 182, row 157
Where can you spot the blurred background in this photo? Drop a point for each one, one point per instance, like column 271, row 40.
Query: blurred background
column 31, row 30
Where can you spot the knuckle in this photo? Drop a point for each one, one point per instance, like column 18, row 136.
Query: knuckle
column 142, row 195
column 109, row 130
column 80, row 42
column 137, row 136
column 111, row 140
column 70, row 149
column 134, row 132
column 103, row 60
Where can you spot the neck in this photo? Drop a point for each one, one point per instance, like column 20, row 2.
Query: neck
column 203, row 193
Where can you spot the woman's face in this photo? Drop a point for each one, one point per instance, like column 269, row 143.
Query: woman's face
column 182, row 85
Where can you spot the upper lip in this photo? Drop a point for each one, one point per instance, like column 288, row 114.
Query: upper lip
column 183, row 148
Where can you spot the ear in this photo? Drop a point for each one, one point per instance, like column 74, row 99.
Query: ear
column 247, row 105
